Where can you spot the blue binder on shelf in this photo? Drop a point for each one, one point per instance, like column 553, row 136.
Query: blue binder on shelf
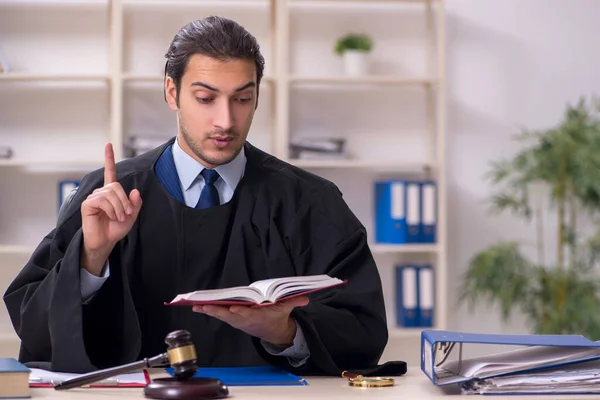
column 413, row 212
column 428, row 211
column 407, row 311
column 250, row 376
column 426, row 294
column 65, row 188
column 443, row 362
column 390, row 212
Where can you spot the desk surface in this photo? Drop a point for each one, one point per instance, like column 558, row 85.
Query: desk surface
column 413, row 385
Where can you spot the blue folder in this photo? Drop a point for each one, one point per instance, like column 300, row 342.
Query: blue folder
column 390, row 212
column 443, row 362
column 250, row 376
column 407, row 301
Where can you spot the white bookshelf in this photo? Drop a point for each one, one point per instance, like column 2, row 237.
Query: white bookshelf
column 89, row 71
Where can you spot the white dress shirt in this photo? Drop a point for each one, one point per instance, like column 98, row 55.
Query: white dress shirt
column 192, row 182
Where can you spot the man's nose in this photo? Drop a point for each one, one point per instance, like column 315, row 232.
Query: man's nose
column 223, row 119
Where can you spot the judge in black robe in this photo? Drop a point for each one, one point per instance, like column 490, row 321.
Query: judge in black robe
column 282, row 221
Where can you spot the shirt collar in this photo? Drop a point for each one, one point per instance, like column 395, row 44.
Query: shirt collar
column 188, row 168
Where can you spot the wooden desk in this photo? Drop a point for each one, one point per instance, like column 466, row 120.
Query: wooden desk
column 413, row 385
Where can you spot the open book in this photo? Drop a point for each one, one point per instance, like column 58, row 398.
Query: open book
column 263, row 292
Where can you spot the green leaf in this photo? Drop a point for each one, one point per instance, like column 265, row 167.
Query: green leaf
column 499, row 275
column 353, row 41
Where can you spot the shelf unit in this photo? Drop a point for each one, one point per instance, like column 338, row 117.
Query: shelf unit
column 99, row 78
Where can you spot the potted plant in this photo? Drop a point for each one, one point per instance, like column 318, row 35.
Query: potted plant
column 559, row 295
column 354, row 48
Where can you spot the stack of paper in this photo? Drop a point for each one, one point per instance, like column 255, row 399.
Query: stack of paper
column 544, row 364
column 517, row 360
column 574, row 378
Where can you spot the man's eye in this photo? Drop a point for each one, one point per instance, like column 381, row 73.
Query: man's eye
column 244, row 99
column 204, row 100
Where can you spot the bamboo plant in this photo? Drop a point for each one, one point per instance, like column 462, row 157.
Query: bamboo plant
column 563, row 295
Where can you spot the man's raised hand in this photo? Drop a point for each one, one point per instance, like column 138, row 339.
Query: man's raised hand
column 107, row 214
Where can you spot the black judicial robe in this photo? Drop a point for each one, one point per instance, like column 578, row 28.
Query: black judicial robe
column 281, row 221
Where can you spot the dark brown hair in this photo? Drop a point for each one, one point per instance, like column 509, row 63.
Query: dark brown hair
column 216, row 37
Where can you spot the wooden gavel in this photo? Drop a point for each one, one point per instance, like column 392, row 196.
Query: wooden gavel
column 181, row 356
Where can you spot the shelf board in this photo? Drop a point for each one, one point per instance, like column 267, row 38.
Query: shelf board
column 159, row 79
column 53, row 166
column 136, row 77
column 365, row 164
column 360, row 1
column 16, row 249
column 195, row 4
column 362, row 80
column 299, row 79
column 53, row 78
column 404, row 248
column 66, row 4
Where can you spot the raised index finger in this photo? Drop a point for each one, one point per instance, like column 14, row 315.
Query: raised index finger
column 110, row 168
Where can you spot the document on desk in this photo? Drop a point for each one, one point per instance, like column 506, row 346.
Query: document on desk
column 44, row 378
column 445, row 362
column 569, row 379
column 517, row 360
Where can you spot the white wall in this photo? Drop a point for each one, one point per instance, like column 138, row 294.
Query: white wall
column 511, row 63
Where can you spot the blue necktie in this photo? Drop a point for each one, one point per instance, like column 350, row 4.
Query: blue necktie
column 209, row 196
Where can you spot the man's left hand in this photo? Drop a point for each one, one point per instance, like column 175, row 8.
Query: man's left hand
column 272, row 324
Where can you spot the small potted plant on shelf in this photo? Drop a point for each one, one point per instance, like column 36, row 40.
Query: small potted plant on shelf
column 354, row 48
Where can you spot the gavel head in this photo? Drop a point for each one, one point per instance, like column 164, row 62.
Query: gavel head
column 182, row 354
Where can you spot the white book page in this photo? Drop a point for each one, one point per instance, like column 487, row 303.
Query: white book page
column 580, row 372
column 518, row 359
column 289, row 288
column 266, row 286
column 236, row 293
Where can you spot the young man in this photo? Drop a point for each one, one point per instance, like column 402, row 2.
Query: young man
column 205, row 210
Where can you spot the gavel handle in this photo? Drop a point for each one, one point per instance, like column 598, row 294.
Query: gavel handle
column 86, row 379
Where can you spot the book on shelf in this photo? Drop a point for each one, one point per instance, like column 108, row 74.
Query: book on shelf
column 320, row 145
column 315, row 155
column 260, row 293
column 318, row 148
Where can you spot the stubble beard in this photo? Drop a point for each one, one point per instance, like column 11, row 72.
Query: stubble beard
column 197, row 149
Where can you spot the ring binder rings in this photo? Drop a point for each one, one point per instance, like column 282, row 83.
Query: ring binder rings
column 443, row 361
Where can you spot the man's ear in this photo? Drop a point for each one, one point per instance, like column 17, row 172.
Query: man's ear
column 171, row 93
